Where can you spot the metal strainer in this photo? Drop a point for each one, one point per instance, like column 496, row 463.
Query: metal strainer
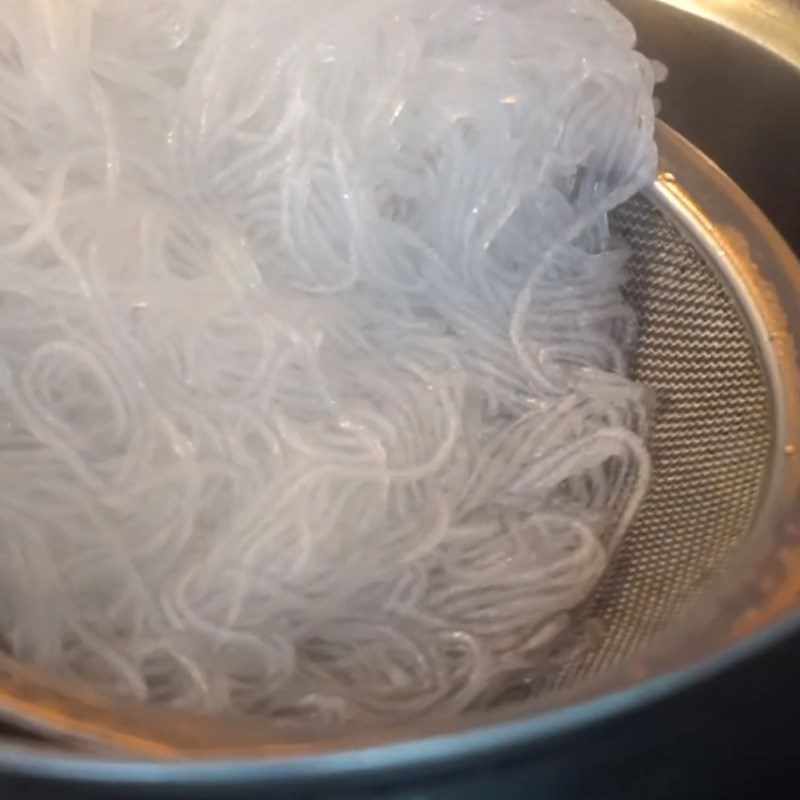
column 714, row 290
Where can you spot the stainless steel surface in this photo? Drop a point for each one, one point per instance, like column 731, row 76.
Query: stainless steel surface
column 719, row 295
column 733, row 90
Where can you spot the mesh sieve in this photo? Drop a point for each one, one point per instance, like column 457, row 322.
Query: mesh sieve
column 711, row 437
column 711, row 441
column 715, row 348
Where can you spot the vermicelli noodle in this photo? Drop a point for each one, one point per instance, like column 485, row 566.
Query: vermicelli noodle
column 313, row 345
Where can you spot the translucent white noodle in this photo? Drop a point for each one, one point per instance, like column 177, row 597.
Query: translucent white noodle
column 313, row 345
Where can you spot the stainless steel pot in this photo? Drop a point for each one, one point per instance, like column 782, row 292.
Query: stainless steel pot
column 734, row 90
column 644, row 716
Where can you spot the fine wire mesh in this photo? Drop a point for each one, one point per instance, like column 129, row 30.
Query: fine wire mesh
column 710, row 441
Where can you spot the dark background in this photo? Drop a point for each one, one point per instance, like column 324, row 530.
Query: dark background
column 733, row 99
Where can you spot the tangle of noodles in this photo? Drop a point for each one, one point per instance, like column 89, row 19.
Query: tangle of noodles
column 313, row 379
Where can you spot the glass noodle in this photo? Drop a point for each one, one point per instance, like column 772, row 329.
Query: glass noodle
column 313, row 350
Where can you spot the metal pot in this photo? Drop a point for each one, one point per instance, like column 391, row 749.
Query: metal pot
column 734, row 92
